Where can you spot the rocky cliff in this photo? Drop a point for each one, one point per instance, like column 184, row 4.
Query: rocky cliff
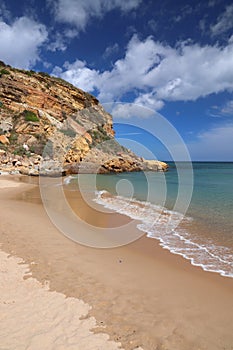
column 48, row 126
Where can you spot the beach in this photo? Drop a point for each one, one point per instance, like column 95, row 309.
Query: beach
column 139, row 294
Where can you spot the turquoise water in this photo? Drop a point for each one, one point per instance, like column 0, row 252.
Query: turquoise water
column 188, row 209
column 212, row 198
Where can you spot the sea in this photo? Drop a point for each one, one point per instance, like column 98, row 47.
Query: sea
column 188, row 209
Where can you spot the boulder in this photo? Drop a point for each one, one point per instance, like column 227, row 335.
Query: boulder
column 154, row 165
column 4, row 140
column 24, row 170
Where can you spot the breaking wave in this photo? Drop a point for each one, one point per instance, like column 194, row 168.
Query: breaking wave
column 172, row 230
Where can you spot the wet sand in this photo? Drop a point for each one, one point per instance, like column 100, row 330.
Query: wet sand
column 142, row 294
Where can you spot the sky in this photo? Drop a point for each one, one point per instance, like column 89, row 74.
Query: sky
column 164, row 69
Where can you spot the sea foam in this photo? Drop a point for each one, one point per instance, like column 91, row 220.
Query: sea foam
column 172, row 230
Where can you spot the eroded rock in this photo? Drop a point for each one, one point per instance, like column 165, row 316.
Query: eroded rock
column 45, row 117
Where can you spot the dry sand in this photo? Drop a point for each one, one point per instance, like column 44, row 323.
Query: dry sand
column 142, row 295
column 33, row 317
column 5, row 184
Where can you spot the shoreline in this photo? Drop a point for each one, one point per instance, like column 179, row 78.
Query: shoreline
column 143, row 294
column 190, row 249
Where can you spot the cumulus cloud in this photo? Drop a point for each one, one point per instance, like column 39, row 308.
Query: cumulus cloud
column 79, row 12
column 156, row 72
column 20, row 42
column 149, row 100
column 130, row 111
column 78, row 74
column 192, row 71
column 214, row 144
column 224, row 22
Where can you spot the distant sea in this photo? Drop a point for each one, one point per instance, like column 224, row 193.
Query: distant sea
column 203, row 234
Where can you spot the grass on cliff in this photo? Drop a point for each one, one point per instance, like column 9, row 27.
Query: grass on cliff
column 99, row 135
column 20, row 151
column 4, row 71
column 30, row 116
column 13, row 137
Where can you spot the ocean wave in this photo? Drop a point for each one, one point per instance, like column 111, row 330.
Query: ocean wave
column 167, row 226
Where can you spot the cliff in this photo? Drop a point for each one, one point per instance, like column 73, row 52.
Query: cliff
column 48, row 126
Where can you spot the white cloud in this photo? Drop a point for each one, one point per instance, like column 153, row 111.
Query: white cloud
column 58, row 44
column 157, row 72
column 4, row 12
column 231, row 39
column 227, row 109
column 192, row 71
column 79, row 12
column 214, row 144
column 130, row 110
column 130, row 72
column 224, row 21
column 153, row 25
column 70, row 33
column 20, row 42
column 149, row 100
column 110, row 50
column 79, row 75
column 184, row 12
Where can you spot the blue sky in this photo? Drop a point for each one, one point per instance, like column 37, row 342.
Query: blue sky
column 146, row 61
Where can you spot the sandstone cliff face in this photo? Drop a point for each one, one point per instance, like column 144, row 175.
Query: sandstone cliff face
column 47, row 125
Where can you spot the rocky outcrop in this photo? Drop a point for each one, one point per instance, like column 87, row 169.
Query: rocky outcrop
column 49, row 127
column 155, row 165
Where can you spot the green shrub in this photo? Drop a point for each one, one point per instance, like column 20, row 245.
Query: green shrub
column 29, row 72
column 99, row 135
column 20, row 151
column 4, row 147
column 94, row 134
column 32, row 149
column 44, row 74
column 30, row 116
column 1, row 104
column 4, row 71
column 63, row 82
column 13, row 137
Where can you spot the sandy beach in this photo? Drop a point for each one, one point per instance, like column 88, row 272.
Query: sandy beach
column 62, row 295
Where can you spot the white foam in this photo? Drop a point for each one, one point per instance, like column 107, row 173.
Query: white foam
column 68, row 180
column 163, row 224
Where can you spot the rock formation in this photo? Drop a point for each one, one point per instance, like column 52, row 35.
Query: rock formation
column 50, row 127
